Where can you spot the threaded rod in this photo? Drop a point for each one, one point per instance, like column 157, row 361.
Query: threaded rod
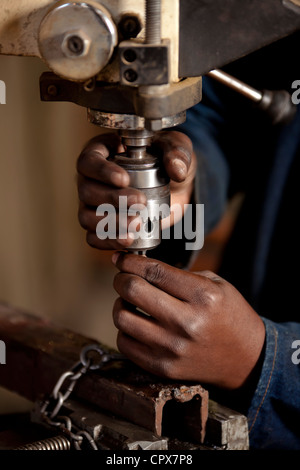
column 153, row 21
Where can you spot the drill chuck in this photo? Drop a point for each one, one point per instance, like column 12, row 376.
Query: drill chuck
column 147, row 175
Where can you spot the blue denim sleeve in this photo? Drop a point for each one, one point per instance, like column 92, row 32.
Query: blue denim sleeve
column 274, row 414
column 202, row 126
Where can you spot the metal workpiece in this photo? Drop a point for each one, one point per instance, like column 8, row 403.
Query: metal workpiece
column 39, row 352
column 226, row 428
column 77, row 39
column 119, row 405
column 107, row 431
column 146, row 174
column 133, row 138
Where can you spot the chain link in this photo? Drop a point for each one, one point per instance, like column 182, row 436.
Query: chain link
column 63, row 388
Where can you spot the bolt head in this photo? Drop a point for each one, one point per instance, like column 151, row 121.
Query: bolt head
column 154, row 125
column 75, row 44
column 130, row 75
column 130, row 26
column 52, row 90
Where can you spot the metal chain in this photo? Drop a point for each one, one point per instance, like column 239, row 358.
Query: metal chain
column 63, row 388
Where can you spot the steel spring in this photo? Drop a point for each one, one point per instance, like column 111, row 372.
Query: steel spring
column 52, row 443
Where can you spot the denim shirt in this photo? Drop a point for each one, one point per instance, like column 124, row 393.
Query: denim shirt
column 274, row 412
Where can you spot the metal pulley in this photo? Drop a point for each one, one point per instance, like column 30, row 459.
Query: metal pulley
column 83, row 48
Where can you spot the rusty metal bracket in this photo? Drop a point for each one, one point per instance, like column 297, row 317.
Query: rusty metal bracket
column 110, row 98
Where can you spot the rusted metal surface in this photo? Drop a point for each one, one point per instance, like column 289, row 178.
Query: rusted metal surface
column 38, row 352
column 124, row 100
column 109, row 432
column 226, row 428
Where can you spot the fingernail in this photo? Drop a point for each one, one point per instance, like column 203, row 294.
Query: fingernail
column 180, row 167
column 115, row 258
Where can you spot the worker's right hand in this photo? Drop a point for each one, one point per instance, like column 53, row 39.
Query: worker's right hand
column 103, row 182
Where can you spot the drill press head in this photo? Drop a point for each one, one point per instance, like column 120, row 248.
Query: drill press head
column 121, row 63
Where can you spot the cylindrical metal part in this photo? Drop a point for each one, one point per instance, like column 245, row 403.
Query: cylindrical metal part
column 236, row 85
column 130, row 121
column 147, row 175
column 153, row 21
column 138, row 139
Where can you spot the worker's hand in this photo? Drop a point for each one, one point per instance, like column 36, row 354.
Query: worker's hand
column 102, row 182
column 194, row 326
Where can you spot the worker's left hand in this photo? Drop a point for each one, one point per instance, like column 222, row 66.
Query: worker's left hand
column 194, row 326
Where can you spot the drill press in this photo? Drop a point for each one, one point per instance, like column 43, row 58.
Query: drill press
column 127, row 77
column 137, row 66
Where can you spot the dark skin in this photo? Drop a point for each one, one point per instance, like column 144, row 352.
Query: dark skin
column 173, row 323
column 102, row 182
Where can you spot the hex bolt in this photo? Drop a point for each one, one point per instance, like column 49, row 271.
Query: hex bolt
column 52, row 90
column 130, row 75
column 130, row 26
column 75, row 44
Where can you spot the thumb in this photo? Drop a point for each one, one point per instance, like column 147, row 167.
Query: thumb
column 177, row 150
